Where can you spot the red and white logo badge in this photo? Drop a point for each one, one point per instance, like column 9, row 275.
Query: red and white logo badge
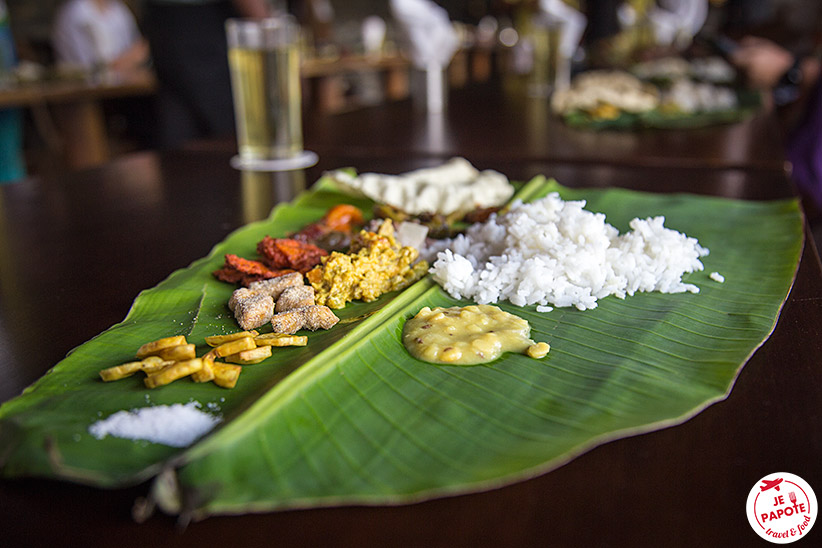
column 782, row 508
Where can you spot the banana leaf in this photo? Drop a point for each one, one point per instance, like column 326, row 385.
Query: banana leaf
column 748, row 103
column 353, row 419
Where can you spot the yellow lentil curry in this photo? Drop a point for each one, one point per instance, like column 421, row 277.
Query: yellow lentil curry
column 375, row 264
column 468, row 335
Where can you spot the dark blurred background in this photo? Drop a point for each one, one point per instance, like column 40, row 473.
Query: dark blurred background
column 334, row 33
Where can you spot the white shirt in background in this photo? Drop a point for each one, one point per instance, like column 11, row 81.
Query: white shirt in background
column 83, row 35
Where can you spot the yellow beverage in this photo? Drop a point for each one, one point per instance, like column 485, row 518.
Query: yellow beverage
column 267, row 100
column 545, row 40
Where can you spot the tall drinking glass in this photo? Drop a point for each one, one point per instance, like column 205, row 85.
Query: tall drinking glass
column 264, row 58
column 545, row 38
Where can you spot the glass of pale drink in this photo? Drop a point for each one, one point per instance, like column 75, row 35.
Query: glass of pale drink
column 264, row 57
column 545, row 38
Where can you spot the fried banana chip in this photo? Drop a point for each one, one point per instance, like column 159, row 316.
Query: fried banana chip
column 225, row 374
column 281, row 339
column 152, row 364
column 153, row 347
column 173, row 372
column 168, row 359
column 120, row 371
column 233, row 347
column 250, row 357
column 207, row 372
column 178, row 353
column 217, row 340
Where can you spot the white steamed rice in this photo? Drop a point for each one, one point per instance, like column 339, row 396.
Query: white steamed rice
column 555, row 253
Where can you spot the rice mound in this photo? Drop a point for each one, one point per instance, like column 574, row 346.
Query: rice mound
column 555, row 253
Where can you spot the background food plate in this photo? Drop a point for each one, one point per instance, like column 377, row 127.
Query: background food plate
column 749, row 101
column 353, row 419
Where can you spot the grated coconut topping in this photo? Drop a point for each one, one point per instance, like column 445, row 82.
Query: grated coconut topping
column 175, row 425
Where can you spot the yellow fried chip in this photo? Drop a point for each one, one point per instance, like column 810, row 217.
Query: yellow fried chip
column 120, row 371
column 168, row 359
column 173, row 372
column 280, row 339
column 226, row 375
column 217, row 340
column 249, row 357
column 232, row 347
column 178, row 353
column 152, row 364
column 154, row 347
column 207, row 372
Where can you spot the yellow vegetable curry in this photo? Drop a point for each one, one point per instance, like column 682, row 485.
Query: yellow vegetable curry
column 468, row 335
column 376, row 264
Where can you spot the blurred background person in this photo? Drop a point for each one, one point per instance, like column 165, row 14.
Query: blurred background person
column 98, row 35
column 793, row 84
column 190, row 54
column 101, row 38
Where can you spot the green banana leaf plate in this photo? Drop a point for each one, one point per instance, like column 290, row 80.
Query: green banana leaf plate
column 351, row 418
column 749, row 102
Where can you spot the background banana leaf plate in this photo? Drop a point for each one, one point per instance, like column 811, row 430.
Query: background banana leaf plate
column 748, row 102
column 352, row 419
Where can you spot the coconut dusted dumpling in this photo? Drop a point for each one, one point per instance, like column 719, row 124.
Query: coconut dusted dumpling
column 295, row 297
column 308, row 317
column 254, row 311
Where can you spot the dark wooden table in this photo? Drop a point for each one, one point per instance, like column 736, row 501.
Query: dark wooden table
column 498, row 122
column 76, row 250
column 77, row 111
